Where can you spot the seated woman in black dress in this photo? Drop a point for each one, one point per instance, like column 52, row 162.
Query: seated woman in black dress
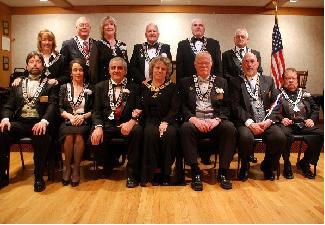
column 160, row 107
column 75, row 108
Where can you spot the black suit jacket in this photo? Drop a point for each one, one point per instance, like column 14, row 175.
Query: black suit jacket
column 137, row 62
column 46, row 109
column 57, row 71
column 232, row 66
column 185, row 59
column 70, row 51
column 282, row 109
column 241, row 107
column 221, row 106
column 102, row 110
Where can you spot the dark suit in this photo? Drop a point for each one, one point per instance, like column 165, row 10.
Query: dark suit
column 137, row 62
column 22, row 127
column 242, row 110
column 100, row 114
column 159, row 152
column 105, row 54
column 70, row 51
column 312, row 135
column 231, row 65
column 224, row 133
column 185, row 59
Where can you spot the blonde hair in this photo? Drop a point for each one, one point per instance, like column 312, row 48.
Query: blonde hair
column 102, row 23
column 165, row 60
column 49, row 34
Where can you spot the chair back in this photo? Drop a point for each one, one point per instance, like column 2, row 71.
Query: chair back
column 302, row 79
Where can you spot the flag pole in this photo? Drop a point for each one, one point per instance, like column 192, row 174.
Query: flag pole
column 275, row 3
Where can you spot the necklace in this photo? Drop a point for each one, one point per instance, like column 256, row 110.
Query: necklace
column 81, row 49
column 80, row 98
column 157, row 89
column 144, row 51
column 111, row 98
column 204, row 97
column 257, row 103
column 203, row 48
column 39, row 89
column 294, row 103
column 113, row 48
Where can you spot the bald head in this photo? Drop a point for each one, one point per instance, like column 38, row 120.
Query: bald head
column 250, row 64
column 198, row 27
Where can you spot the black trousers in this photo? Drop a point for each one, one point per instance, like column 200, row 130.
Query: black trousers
column 313, row 137
column 158, row 152
column 134, row 146
column 224, row 134
column 275, row 144
column 40, row 145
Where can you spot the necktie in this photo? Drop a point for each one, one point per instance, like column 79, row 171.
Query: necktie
column 241, row 53
column 86, row 47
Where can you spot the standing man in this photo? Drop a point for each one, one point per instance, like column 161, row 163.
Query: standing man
column 81, row 46
column 115, row 100
column 143, row 53
column 206, row 109
column 30, row 111
column 252, row 96
column 188, row 48
column 297, row 113
column 232, row 59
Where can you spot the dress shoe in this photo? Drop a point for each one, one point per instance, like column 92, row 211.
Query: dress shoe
column 131, row 182
column 268, row 173
column 224, row 182
column 305, row 168
column 196, row 183
column 39, row 185
column 75, row 183
column 252, row 158
column 65, row 182
column 287, row 171
column 156, row 179
column 4, row 182
column 243, row 172
column 165, row 180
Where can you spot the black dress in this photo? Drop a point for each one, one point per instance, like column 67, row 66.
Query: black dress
column 64, row 104
column 159, row 106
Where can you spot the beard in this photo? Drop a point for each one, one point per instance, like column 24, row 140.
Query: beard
column 35, row 71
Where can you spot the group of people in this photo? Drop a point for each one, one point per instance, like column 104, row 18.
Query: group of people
column 90, row 93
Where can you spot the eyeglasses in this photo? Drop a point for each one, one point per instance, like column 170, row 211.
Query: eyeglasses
column 83, row 25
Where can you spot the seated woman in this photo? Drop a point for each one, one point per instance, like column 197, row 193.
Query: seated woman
column 75, row 108
column 160, row 107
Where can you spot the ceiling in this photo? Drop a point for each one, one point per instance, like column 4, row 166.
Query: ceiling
column 72, row 3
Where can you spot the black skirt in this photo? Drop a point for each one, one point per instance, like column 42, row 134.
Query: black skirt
column 69, row 129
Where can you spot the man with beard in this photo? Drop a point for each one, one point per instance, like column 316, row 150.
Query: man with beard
column 115, row 101
column 297, row 113
column 30, row 111
column 143, row 53
column 81, row 46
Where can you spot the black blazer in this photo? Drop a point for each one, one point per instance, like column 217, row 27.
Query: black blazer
column 165, row 107
column 64, row 103
column 241, row 107
column 137, row 62
column 105, row 54
column 57, row 71
column 102, row 110
column 70, row 51
column 282, row 109
column 46, row 109
column 185, row 59
column 221, row 106
column 231, row 65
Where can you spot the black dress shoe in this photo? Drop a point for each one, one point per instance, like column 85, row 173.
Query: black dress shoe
column 268, row 173
column 165, row 180
column 131, row 182
column 65, row 182
column 156, row 179
column 287, row 171
column 39, row 185
column 305, row 168
column 224, row 182
column 75, row 183
column 243, row 173
column 4, row 182
column 196, row 183
column 252, row 158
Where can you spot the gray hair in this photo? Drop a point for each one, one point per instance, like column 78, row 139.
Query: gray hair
column 203, row 53
column 125, row 65
column 242, row 29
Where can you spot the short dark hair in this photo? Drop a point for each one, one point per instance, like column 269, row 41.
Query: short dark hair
column 81, row 62
column 33, row 54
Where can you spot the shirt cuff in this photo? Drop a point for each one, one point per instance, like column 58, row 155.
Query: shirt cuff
column 249, row 122
column 45, row 121
column 98, row 125
column 5, row 119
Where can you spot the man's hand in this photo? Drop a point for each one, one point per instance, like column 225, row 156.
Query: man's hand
column 286, row 122
column 127, row 127
column 52, row 81
column 39, row 128
column 213, row 123
column 162, row 128
column 136, row 113
column 97, row 136
column 309, row 123
column 265, row 124
column 16, row 82
column 256, row 129
column 5, row 123
column 201, row 125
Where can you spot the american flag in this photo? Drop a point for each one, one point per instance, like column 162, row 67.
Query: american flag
column 277, row 60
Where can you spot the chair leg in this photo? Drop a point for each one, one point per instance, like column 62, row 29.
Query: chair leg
column 315, row 170
column 278, row 170
column 238, row 165
column 21, row 156
column 299, row 153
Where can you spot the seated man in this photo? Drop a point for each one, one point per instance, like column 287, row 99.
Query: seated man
column 206, row 109
column 30, row 109
column 115, row 99
column 252, row 95
column 297, row 113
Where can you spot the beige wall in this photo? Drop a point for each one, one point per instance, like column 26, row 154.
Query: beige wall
column 303, row 38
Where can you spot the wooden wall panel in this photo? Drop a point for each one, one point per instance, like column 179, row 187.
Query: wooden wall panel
column 5, row 15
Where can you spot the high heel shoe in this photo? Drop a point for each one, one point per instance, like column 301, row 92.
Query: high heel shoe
column 65, row 182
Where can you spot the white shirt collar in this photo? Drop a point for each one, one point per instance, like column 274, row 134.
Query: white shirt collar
column 82, row 40
column 237, row 48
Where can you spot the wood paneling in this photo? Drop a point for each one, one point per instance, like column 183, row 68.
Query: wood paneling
column 5, row 15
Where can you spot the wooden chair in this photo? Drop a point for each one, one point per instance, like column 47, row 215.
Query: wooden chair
column 302, row 79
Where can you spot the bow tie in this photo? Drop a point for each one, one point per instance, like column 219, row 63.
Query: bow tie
column 31, row 77
column 194, row 39
column 152, row 46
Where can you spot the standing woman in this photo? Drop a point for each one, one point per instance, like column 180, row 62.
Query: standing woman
column 109, row 47
column 75, row 108
column 160, row 107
